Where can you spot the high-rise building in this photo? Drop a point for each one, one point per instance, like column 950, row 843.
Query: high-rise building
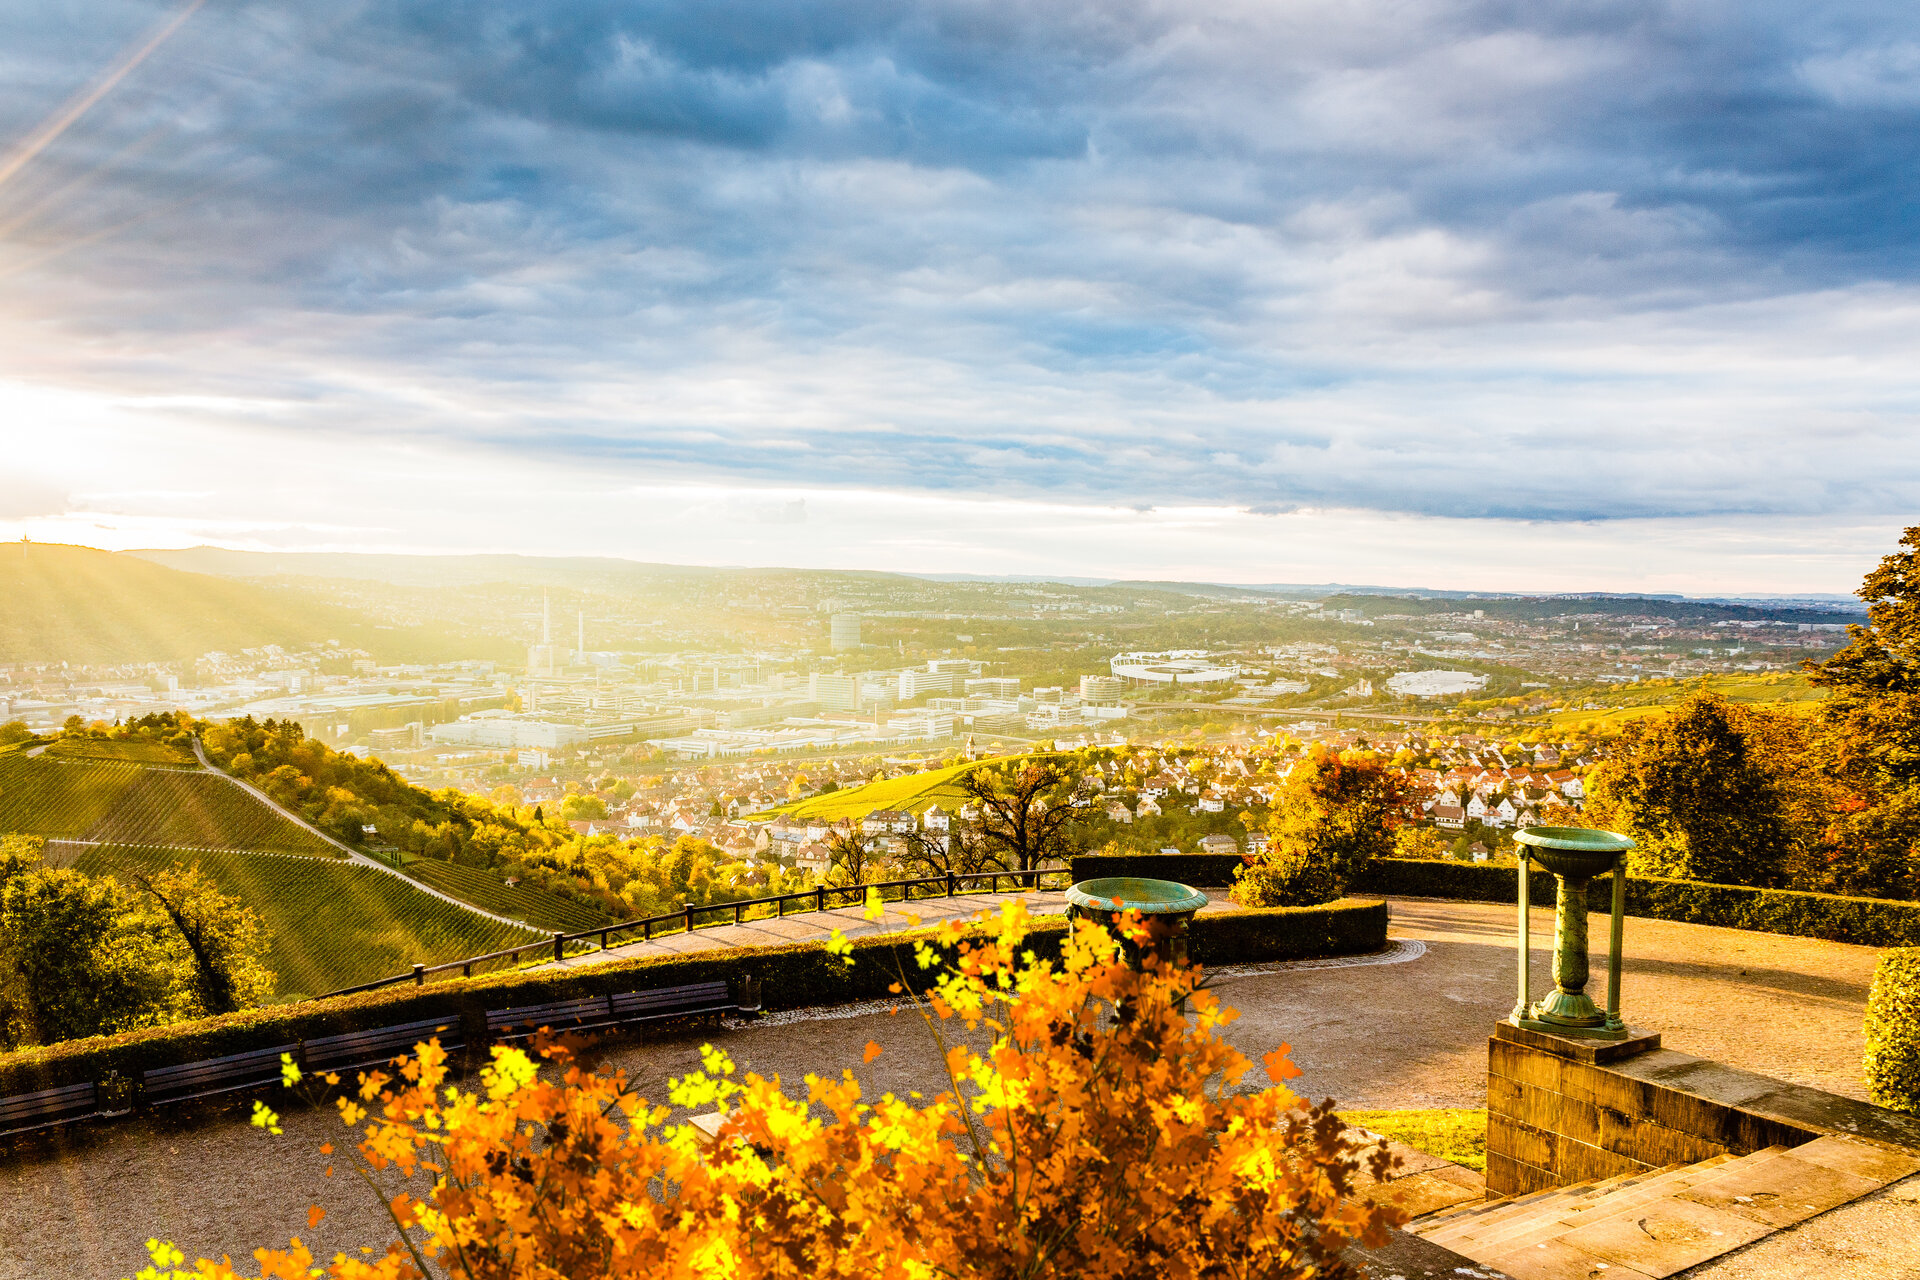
column 993, row 687
column 843, row 631
column 1100, row 690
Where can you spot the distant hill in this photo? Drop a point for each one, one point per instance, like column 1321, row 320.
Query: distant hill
column 80, row 605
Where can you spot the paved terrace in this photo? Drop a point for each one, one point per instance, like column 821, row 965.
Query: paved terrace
column 1397, row 1032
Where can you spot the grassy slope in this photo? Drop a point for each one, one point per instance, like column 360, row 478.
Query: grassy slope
column 892, row 793
column 76, row 604
column 178, row 807
column 332, row 924
column 1779, row 692
column 543, row 910
column 132, row 751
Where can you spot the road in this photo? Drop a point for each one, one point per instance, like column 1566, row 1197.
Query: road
column 1409, row 1034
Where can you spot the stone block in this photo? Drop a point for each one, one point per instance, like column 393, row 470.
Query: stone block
column 1576, row 1161
column 1779, row 1191
column 1577, row 1048
column 1528, row 1066
column 1865, row 1159
column 1518, row 1140
column 1509, row 1177
column 1556, row 1260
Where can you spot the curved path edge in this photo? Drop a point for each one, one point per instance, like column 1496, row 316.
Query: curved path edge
column 353, row 855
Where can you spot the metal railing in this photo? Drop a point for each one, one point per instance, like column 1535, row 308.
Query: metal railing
column 689, row 918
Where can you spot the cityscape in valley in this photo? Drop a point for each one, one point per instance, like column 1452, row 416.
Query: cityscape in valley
column 959, row 640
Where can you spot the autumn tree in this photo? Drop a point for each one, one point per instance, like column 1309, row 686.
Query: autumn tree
column 223, row 937
column 1335, row 813
column 1026, row 810
column 1702, row 792
column 1070, row 1143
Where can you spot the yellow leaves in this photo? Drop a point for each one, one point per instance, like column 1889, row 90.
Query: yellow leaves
column 265, row 1117
column 839, row 945
column 351, row 1112
column 1089, row 1103
column 876, row 906
column 289, row 1071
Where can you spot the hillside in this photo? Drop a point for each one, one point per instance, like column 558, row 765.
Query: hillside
column 1620, row 705
column 910, row 792
column 332, row 924
column 120, row 801
column 80, row 605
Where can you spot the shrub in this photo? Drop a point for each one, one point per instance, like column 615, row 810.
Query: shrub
column 1336, row 814
column 1078, row 1144
column 1201, row 870
column 1893, row 1031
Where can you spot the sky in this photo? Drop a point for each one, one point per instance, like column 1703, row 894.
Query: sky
column 1497, row 296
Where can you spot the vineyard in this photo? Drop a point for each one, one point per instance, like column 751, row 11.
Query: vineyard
column 200, row 810
column 333, row 924
column 547, row 911
column 45, row 797
column 131, row 751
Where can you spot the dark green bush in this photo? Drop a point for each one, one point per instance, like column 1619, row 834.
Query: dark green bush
column 791, row 977
column 1199, row 870
column 1892, row 1059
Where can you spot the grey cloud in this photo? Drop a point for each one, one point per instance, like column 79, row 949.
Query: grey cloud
column 1457, row 257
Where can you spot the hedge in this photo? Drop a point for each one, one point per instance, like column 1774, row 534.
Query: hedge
column 1201, row 870
column 1893, row 1032
column 1873, row 922
column 792, row 976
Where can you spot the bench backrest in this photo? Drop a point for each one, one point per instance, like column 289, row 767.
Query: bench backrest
column 545, row 1015
column 692, row 995
column 382, row 1040
column 65, row 1100
column 263, row 1064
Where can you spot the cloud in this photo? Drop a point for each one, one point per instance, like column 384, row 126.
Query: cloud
column 24, row 498
column 1452, row 258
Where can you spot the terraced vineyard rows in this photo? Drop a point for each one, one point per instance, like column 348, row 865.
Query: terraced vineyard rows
column 59, row 798
column 132, row 752
column 543, row 910
column 199, row 810
column 333, row 924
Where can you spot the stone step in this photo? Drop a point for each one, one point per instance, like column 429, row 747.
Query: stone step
column 1524, row 1208
column 1620, row 1204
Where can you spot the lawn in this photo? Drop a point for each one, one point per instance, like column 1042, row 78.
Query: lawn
column 543, row 910
column 1456, row 1135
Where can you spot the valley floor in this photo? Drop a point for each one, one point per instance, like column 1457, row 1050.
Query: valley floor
column 1381, row 1035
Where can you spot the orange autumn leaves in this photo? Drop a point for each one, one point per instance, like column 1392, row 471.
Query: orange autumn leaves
column 1069, row 1143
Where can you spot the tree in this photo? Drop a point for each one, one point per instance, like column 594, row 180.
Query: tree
column 78, row 955
column 1073, row 1143
column 856, row 857
column 224, row 937
column 1026, row 810
column 1874, row 710
column 1335, row 814
column 1700, row 796
column 14, row 731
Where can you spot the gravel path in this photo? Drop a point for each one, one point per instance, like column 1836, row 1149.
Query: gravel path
column 1380, row 1035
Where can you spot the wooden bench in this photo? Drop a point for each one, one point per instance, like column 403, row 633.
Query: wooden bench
column 693, row 1000
column 25, row 1112
column 190, row 1080
column 358, row 1050
column 587, row 1014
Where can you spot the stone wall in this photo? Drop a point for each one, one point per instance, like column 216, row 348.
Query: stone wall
column 1563, row 1111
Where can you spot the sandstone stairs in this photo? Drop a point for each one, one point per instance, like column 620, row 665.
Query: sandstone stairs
column 1655, row 1223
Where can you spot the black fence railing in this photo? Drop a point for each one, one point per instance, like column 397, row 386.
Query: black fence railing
column 690, row 918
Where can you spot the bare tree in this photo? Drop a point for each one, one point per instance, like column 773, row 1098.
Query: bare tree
column 1027, row 811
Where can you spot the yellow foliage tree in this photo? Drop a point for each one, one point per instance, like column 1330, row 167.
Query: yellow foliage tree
column 1077, row 1144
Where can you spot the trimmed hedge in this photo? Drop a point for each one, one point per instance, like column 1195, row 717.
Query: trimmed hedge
column 1893, row 1032
column 1872, row 922
column 1200, row 870
column 793, row 976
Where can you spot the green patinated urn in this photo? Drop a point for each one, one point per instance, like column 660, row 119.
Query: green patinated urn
column 1167, row 905
column 1575, row 856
